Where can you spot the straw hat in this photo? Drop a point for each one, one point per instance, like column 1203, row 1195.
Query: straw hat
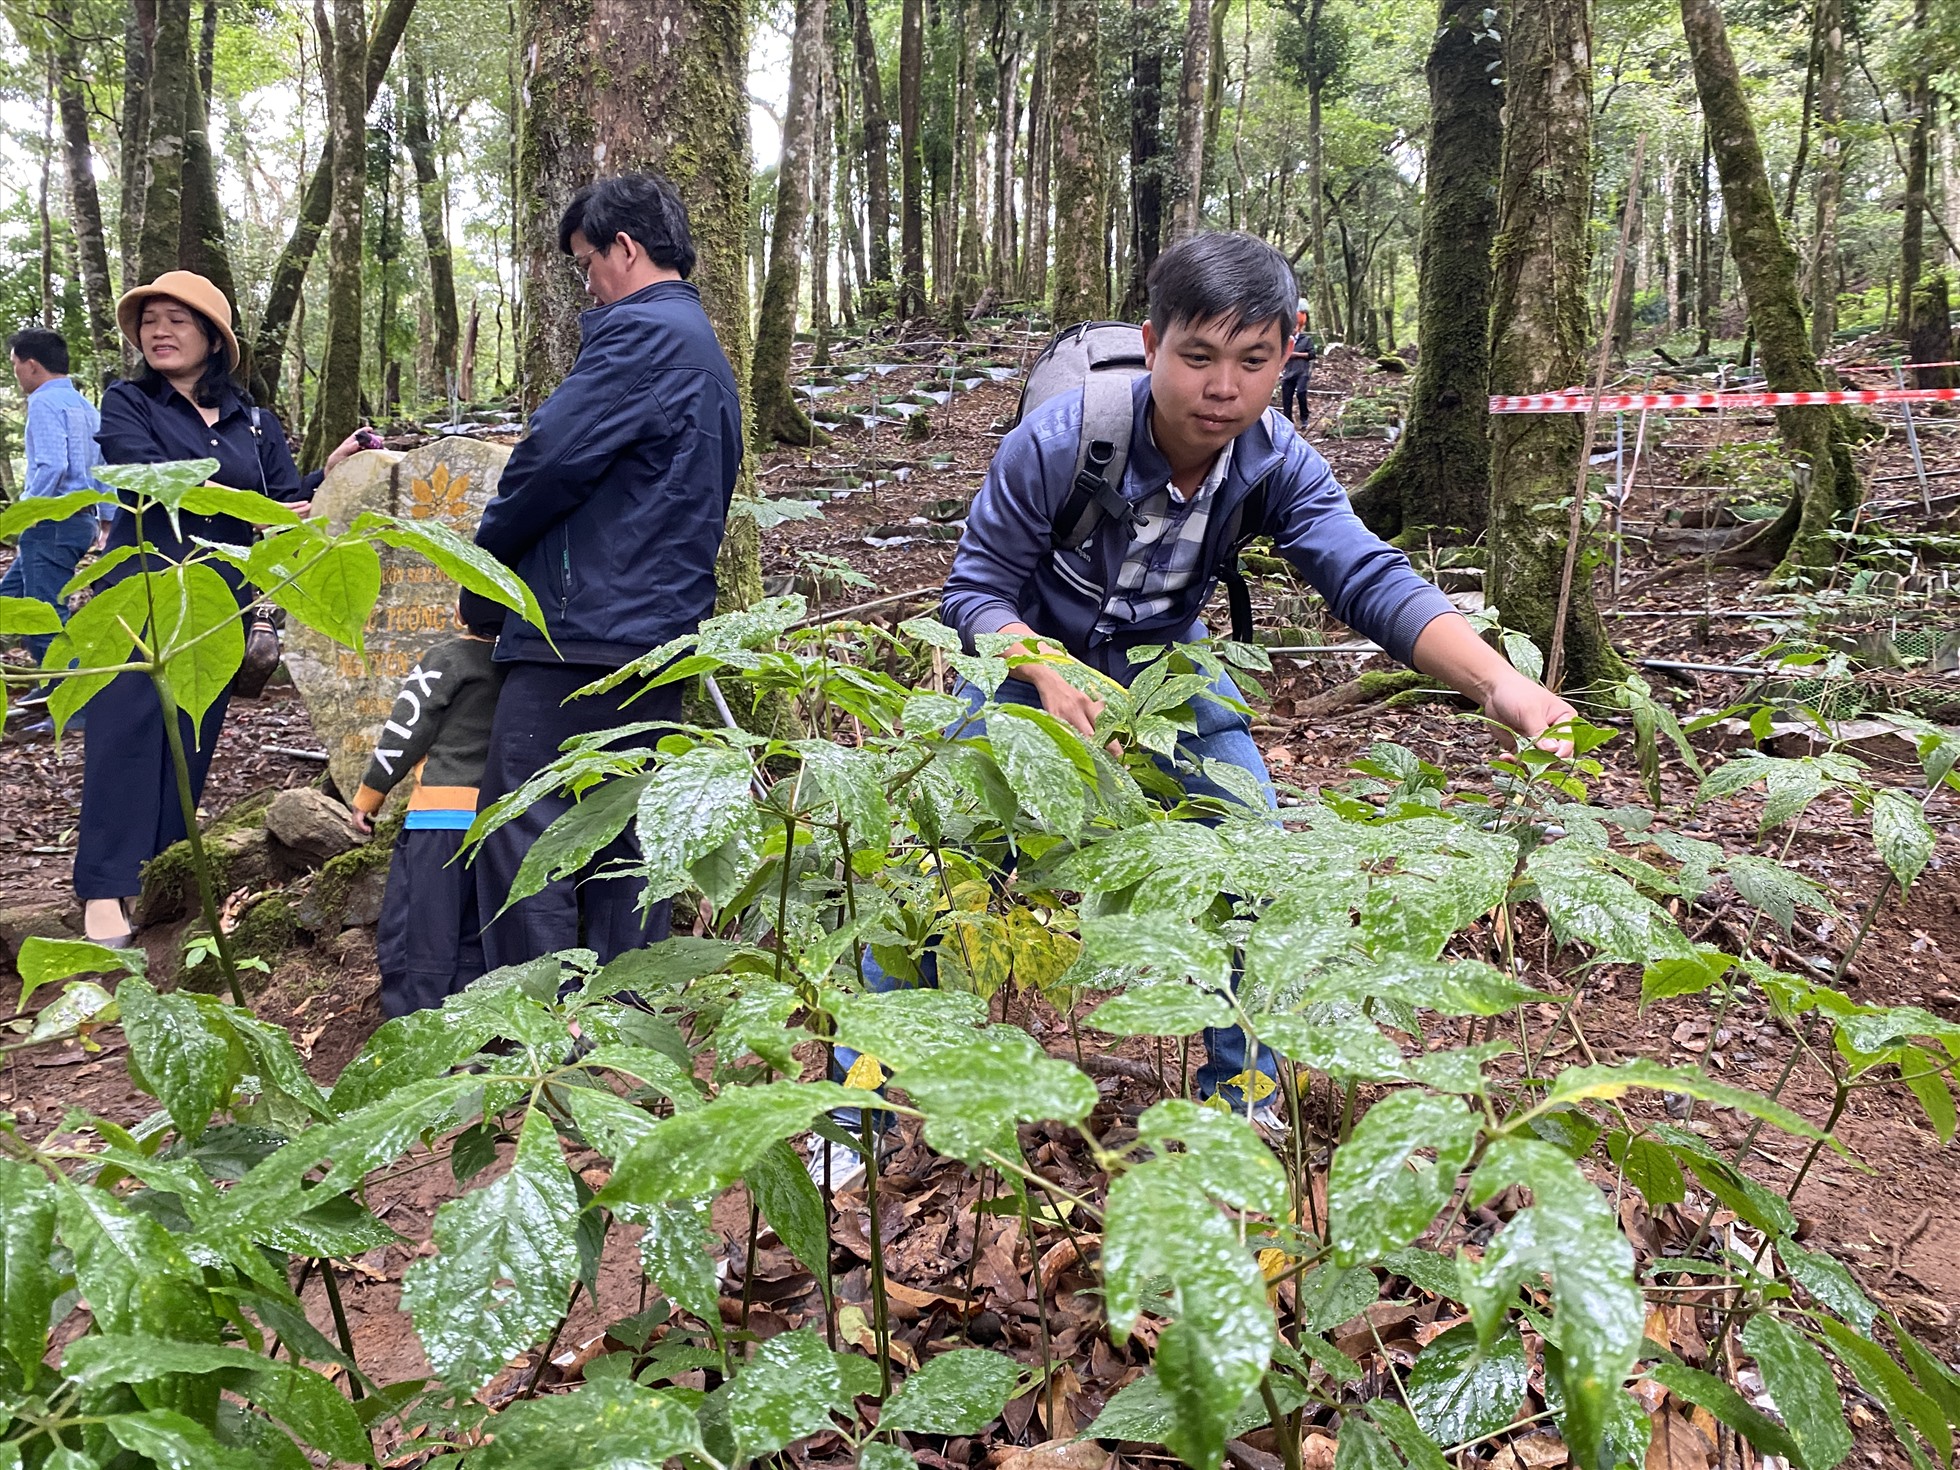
column 189, row 289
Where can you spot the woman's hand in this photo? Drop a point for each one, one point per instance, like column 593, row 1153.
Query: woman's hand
column 351, row 445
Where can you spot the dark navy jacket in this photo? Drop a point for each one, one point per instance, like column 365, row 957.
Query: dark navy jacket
column 151, row 423
column 1003, row 571
column 612, row 509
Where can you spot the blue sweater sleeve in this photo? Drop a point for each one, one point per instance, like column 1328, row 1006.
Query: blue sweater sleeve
column 1011, row 524
column 1368, row 584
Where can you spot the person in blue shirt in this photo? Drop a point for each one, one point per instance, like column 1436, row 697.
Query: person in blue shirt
column 61, row 427
column 186, row 403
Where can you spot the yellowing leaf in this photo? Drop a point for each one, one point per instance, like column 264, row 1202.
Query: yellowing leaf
column 866, row 1074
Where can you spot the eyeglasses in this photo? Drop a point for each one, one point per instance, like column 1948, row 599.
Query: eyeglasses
column 583, row 264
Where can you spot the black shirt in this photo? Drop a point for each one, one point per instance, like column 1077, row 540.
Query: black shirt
column 152, row 423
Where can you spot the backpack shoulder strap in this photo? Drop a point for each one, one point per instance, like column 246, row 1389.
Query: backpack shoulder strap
column 1248, row 521
column 1101, row 453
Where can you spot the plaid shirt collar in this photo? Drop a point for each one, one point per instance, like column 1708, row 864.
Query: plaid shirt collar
column 1162, row 559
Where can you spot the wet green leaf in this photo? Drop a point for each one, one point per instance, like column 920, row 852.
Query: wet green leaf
column 957, row 1392
column 507, row 1256
column 1222, row 1154
column 1716, row 1396
column 1161, row 1225
column 44, row 961
column 1460, row 1390
column 708, row 1148
column 972, row 1098
column 786, row 1392
column 1375, row 1200
column 27, row 1283
column 1901, row 833
column 1343, row 1046
column 175, row 1442
column 182, row 1055
column 794, row 1208
column 1038, row 766
column 1829, row 1283
column 1908, row 1406
column 1800, row 1385
column 1163, row 1008
column 1610, row 1083
column 297, row 1397
column 1571, row 1235
column 677, row 1251
column 609, row 1425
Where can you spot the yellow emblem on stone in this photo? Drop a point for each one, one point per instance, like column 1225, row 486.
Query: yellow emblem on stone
column 442, row 497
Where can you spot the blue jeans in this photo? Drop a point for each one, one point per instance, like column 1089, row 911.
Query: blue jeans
column 1223, row 735
column 46, row 558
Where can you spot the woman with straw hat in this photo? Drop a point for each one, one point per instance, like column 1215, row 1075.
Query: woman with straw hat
column 185, row 403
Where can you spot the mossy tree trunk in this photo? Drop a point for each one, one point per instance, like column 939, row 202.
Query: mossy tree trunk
column 1436, row 481
column 877, row 145
column 431, row 208
column 1147, row 42
column 1008, row 43
column 968, row 252
column 201, row 230
column 338, row 409
column 1919, row 126
column 1326, row 314
column 1538, row 325
column 85, row 203
column 1829, row 187
column 911, row 162
column 776, row 415
column 642, row 85
column 170, row 84
column 139, row 40
column 1812, row 437
column 1081, row 274
column 282, row 298
column 1041, row 155
column 1194, row 81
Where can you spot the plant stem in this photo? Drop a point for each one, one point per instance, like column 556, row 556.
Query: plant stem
column 340, row 1327
column 748, row 1267
column 1040, row 1309
column 1843, row 1095
column 1864, row 928
column 200, row 863
column 880, row 1322
column 1284, row 1429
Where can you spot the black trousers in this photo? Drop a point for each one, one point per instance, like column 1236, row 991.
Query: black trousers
column 130, row 809
column 429, row 943
column 1293, row 393
column 601, row 914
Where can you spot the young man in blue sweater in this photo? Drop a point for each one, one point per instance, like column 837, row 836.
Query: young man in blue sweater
column 1221, row 314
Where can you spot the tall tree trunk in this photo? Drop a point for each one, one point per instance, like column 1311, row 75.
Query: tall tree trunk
column 1622, row 323
column 1146, row 144
column 1829, row 187
column 1812, row 437
column 84, row 204
column 877, row 144
column 1007, row 128
column 1323, row 281
column 968, row 265
column 201, row 238
column 139, row 42
column 1214, row 94
column 1194, row 81
column 776, row 414
column 45, row 209
column 1436, row 481
column 431, row 209
column 316, row 203
column 911, row 207
column 1075, row 90
column 647, row 84
column 1708, row 253
column 1681, row 291
column 1041, row 153
column 1538, row 329
column 1919, row 125
column 820, row 202
column 338, row 408
column 171, row 83
column 852, row 272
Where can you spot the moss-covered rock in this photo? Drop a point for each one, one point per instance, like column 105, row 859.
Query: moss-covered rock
column 347, row 891
column 235, row 843
column 264, row 932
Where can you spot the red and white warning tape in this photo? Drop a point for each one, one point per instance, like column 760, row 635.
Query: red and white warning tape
column 1579, row 402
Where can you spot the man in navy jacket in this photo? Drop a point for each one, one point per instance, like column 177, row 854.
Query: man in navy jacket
column 612, row 510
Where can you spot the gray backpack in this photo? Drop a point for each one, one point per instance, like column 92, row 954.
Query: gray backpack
column 1103, row 359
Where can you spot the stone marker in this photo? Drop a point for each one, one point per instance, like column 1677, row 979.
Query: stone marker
column 449, row 480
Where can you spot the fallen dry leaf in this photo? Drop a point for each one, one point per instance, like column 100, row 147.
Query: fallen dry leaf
column 1057, row 1454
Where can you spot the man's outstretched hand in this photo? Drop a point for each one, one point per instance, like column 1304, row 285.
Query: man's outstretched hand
column 1529, row 708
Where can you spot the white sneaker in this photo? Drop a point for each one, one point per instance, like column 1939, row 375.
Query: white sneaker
column 1271, row 1120
column 845, row 1165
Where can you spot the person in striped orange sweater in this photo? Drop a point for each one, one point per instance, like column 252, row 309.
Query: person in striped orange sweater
column 430, row 941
